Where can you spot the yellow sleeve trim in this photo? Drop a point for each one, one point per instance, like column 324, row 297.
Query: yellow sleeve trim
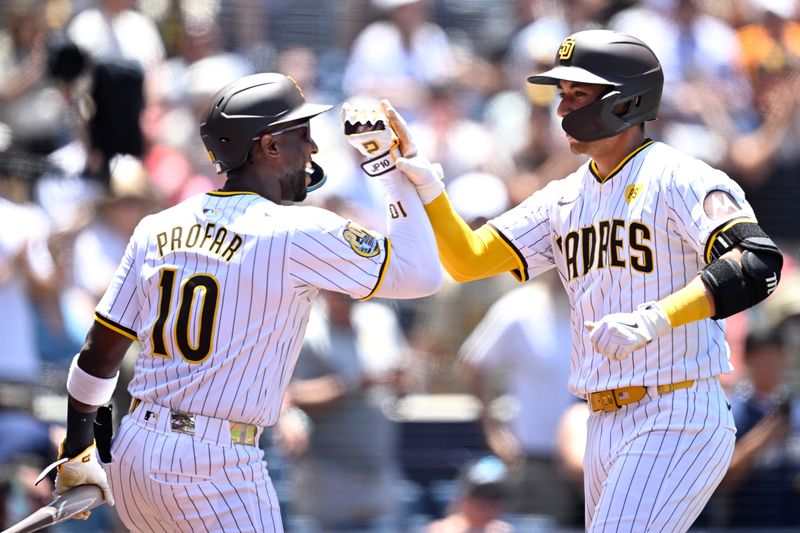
column 125, row 332
column 466, row 254
column 520, row 271
column 689, row 304
column 382, row 273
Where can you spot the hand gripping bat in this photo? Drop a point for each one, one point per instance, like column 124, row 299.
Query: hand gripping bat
column 76, row 500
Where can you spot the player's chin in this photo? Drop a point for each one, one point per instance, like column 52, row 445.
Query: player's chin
column 576, row 147
column 295, row 186
column 300, row 191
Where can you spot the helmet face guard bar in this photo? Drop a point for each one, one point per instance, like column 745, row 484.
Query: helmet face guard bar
column 596, row 120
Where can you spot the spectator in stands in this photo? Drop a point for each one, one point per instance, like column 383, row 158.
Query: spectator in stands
column 480, row 503
column 763, row 139
column 699, row 53
column 99, row 246
column 113, row 29
column 180, row 88
column 400, row 55
column 542, row 36
column 763, row 481
column 520, row 351
column 440, row 323
column 345, row 474
column 27, row 278
column 459, row 143
column 773, row 37
column 29, row 101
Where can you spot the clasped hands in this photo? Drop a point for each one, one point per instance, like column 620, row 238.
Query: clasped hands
column 382, row 136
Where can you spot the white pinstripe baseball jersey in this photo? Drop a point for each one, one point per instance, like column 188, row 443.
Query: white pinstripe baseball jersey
column 638, row 235
column 218, row 290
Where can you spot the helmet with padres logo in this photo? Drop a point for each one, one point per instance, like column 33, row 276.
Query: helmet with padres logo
column 606, row 57
column 252, row 106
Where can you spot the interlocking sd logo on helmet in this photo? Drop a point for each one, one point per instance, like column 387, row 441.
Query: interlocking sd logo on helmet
column 624, row 63
column 249, row 107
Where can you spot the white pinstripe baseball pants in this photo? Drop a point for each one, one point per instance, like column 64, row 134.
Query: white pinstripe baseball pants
column 652, row 466
column 172, row 482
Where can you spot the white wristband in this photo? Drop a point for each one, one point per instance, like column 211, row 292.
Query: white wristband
column 87, row 388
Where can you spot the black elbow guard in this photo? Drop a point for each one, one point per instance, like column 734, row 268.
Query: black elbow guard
column 735, row 286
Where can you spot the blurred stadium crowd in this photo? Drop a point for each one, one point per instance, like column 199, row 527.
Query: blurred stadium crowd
column 440, row 414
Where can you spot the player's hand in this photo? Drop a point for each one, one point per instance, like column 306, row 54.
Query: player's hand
column 367, row 130
column 426, row 176
column 618, row 334
column 83, row 469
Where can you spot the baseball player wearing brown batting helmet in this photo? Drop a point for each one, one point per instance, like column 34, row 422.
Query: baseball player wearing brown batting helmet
column 628, row 233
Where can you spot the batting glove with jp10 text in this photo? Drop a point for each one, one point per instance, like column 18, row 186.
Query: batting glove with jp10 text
column 618, row 334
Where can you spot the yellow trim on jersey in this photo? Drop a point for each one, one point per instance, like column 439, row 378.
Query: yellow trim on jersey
column 521, row 270
column 230, row 193
column 466, row 254
column 125, row 332
column 726, row 227
column 596, row 173
column 382, row 273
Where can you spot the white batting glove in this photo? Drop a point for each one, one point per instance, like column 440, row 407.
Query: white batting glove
column 83, row 469
column 426, row 176
column 618, row 334
column 367, row 130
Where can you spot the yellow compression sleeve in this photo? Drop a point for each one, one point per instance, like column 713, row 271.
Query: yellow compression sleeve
column 466, row 254
column 689, row 304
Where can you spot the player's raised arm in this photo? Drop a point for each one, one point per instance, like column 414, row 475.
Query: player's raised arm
column 412, row 268
column 466, row 254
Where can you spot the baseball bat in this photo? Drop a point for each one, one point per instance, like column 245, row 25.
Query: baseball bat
column 62, row 508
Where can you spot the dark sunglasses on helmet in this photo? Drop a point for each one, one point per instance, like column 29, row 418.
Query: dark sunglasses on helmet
column 304, row 125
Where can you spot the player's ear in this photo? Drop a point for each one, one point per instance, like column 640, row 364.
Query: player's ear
column 269, row 145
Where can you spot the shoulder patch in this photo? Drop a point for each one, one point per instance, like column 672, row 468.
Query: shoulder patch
column 720, row 204
column 361, row 240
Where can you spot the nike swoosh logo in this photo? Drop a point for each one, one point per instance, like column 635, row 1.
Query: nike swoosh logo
column 634, row 325
column 567, row 201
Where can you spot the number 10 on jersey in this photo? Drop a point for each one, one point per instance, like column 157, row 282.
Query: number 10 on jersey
column 192, row 313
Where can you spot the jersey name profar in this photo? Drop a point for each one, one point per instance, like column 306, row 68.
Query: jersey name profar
column 216, row 240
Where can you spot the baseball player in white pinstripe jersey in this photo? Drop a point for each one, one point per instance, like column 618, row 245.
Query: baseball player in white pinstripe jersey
column 653, row 248
column 218, row 290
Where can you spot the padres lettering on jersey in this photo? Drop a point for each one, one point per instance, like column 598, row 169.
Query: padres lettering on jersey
column 607, row 244
column 635, row 236
column 218, row 290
